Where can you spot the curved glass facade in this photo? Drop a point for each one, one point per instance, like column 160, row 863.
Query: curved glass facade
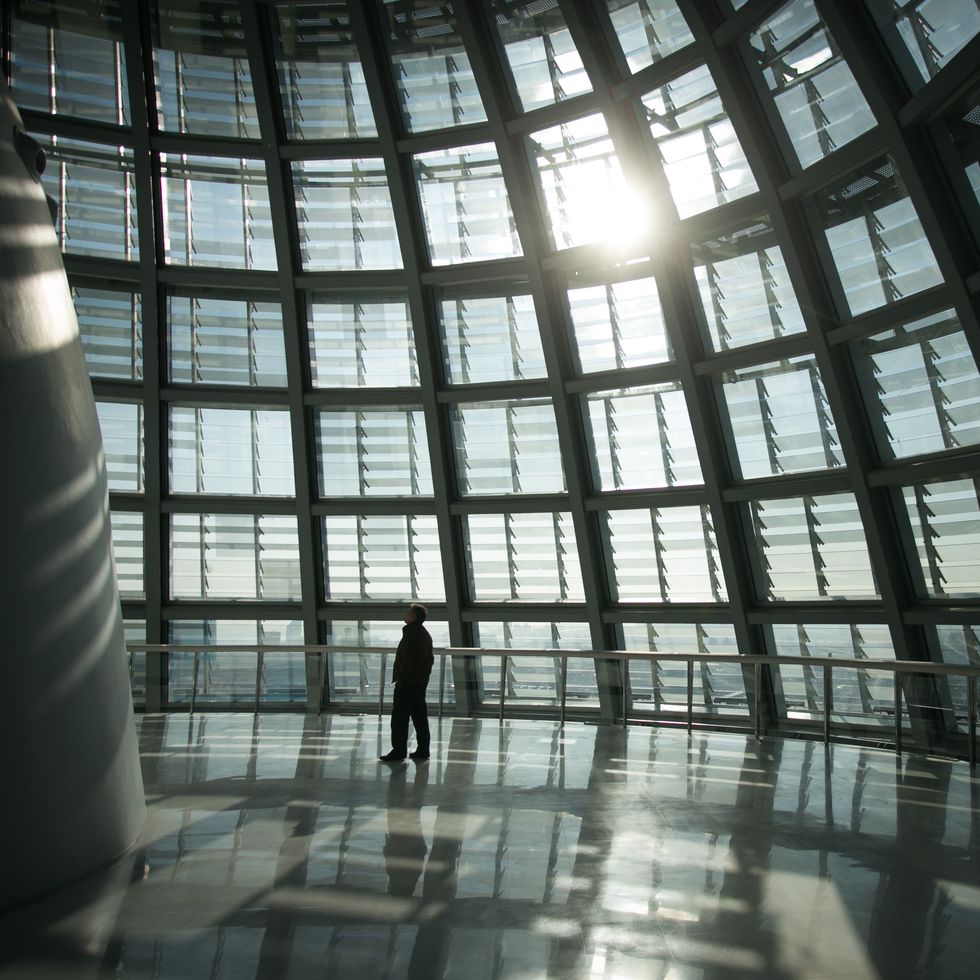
column 647, row 325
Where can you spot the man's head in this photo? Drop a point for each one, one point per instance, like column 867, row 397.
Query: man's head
column 416, row 613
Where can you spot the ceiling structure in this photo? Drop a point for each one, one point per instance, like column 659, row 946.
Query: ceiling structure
column 622, row 324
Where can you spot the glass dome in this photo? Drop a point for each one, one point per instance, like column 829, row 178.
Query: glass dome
column 646, row 325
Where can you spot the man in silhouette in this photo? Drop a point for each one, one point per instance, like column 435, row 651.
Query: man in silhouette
column 413, row 664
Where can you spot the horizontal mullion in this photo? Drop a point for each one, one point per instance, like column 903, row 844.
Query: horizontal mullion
column 743, row 21
column 121, row 501
column 794, row 345
column 521, row 612
column 200, row 503
column 194, row 144
column 444, row 139
column 672, row 612
column 342, row 610
column 223, row 609
column 509, row 504
column 214, row 396
column 199, row 277
column 661, row 72
column 72, row 127
column 850, row 156
column 370, row 506
column 935, row 96
column 493, row 270
column 798, row 485
column 829, row 612
column 101, row 273
column 495, row 391
column 943, row 613
column 117, row 389
column 945, row 465
column 626, row 378
column 354, row 398
column 913, row 307
column 547, row 116
column 647, row 499
column 330, row 149
column 384, row 281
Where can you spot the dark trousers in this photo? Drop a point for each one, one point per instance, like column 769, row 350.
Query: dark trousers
column 409, row 702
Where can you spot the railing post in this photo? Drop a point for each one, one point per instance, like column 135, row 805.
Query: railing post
column 564, row 688
column 503, row 683
column 197, row 661
column 381, row 686
column 442, row 682
column 321, row 680
column 827, row 674
column 624, row 680
column 756, row 698
column 258, row 679
column 971, row 702
column 690, row 695
column 898, row 714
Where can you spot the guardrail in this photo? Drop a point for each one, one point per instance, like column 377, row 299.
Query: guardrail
column 828, row 665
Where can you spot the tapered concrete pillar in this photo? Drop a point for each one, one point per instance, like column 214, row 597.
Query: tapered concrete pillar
column 69, row 765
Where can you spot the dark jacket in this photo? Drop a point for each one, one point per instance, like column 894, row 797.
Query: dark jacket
column 413, row 658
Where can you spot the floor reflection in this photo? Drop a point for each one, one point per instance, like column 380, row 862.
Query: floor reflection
column 278, row 847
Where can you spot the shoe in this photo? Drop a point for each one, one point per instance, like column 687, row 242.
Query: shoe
column 391, row 757
column 418, row 756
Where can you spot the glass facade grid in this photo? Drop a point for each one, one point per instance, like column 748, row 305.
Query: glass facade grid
column 563, row 336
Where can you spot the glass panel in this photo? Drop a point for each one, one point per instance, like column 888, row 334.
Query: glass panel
column 321, row 81
column 69, row 61
column 234, row 556
column 127, row 552
column 110, row 322
column 618, row 325
column 465, row 206
column 355, row 678
column 355, row 343
column 699, row 149
column 586, row 196
column 200, row 66
column 229, row 676
column 543, row 59
column 383, row 556
column 877, row 244
column 432, row 71
column 230, row 451
column 372, row 452
column 225, row 342
column 921, row 386
column 862, row 696
column 945, row 518
column 781, row 421
column 745, row 288
column 134, row 631
column 490, row 338
column 122, row 438
column 537, row 680
column 345, row 215
column 507, row 447
column 93, row 187
column 664, row 554
column 648, row 30
column 817, row 97
column 524, row 557
column 642, row 438
column 958, row 645
column 216, row 212
column 931, row 31
column 661, row 686
column 813, row 548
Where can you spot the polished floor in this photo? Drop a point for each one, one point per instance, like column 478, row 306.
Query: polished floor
column 279, row 847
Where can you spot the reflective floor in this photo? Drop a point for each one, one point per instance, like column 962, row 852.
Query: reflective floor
column 279, row 847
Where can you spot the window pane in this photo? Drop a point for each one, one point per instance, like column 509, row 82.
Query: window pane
column 648, row 30
column 93, row 187
column 958, row 645
column 812, row 548
column 234, row 556
column 879, row 249
column 921, row 386
column 661, row 686
column 523, row 557
column 745, row 289
column 345, row 215
column 945, row 518
column 665, row 554
column 225, row 342
column 201, row 70
column 230, row 451
column 216, row 212
column 618, row 325
column 70, row 63
column 230, row 676
column 543, row 59
column 111, row 325
column 355, row 343
column 382, row 557
column 465, row 206
column 127, row 552
column 586, row 196
column 780, row 419
column 864, row 696
column 134, row 631
column 701, row 155
column 490, row 338
column 642, row 438
column 817, row 97
column 321, row 81
column 372, row 452
column 122, row 438
column 537, row 680
column 432, row 71
column 507, row 447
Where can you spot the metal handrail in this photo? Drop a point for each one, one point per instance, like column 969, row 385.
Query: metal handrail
column 970, row 672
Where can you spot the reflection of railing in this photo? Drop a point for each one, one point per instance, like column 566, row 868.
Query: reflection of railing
column 970, row 673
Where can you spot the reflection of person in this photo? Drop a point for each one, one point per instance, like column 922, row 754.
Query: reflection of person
column 413, row 664
column 405, row 846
